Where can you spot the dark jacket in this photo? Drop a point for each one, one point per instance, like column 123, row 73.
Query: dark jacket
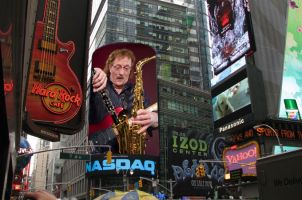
column 98, row 111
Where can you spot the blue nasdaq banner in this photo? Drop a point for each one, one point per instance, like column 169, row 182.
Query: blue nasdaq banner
column 136, row 164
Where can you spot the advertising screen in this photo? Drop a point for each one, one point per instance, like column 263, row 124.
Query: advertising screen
column 277, row 149
column 235, row 67
column 243, row 157
column 231, row 37
column 186, row 150
column 57, row 71
column 129, row 96
column 291, row 93
column 229, row 101
column 130, row 164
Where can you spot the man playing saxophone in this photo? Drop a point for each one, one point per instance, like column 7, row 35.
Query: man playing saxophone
column 114, row 80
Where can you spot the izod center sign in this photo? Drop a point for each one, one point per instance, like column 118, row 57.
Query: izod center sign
column 242, row 157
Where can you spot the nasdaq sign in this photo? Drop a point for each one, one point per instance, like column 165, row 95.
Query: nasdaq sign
column 138, row 164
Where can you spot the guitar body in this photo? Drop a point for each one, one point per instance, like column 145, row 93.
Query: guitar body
column 54, row 93
column 107, row 122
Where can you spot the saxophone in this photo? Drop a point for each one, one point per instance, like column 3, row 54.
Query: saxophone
column 130, row 142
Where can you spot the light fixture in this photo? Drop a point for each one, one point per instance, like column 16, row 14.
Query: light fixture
column 227, row 176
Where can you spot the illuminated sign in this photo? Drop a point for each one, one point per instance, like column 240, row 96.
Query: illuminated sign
column 186, row 145
column 57, row 70
column 230, row 32
column 231, row 100
column 228, row 71
column 56, row 98
column 243, row 157
column 277, row 149
column 264, row 132
column 186, row 151
column 291, row 95
column 138, row 164
column 231, row 125
column 8, row 87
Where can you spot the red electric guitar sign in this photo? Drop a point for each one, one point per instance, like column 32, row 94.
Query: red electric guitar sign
column 54, row 93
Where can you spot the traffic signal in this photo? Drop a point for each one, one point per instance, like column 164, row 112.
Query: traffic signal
column 91, row 193
column 109, row 156
column 140, row 183
column 69, row 188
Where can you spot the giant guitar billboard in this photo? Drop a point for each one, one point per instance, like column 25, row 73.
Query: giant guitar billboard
column 58, row 67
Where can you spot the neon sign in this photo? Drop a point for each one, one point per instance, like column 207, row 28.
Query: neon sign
column 8, row 87
column 186, row 145
column 244, row 157
column 56, row 97
column 121, row 164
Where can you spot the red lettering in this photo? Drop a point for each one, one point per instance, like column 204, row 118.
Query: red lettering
column 251, row 153
column 299, row 135
column 44, row 92
column 62, row 95
column 57, row 104
column 65, row 97
column 8, row 87
column 249, row 133
column 36, row 88
column 287, row 134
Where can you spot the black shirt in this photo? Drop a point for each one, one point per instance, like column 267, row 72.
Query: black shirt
column 98, row 110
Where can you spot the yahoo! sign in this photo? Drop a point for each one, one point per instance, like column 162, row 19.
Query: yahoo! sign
column 242, row 157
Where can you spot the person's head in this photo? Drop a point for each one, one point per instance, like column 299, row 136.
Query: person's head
column 119, row 66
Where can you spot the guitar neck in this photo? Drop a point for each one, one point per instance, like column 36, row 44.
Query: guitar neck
column 51, row 16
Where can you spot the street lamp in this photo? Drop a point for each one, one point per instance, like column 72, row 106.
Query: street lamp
column 276, row 134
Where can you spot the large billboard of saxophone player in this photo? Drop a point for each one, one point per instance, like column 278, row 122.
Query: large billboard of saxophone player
column 123, row 99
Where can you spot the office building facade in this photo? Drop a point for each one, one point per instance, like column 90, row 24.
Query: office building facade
column 173, row 29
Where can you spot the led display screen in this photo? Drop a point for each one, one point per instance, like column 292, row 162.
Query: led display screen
column 277, row 149
column 230, row 32
column 243, row 157
column 140, row 91
column 57, row 69
column 234, row 98
column 291, row 94
column 228, row 71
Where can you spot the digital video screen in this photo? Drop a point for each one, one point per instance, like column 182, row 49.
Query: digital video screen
column 291, row 93
column 230, row 34
column 235, row 67
column 231, row 100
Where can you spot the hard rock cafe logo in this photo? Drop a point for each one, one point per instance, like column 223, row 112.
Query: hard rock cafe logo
column 56, row 97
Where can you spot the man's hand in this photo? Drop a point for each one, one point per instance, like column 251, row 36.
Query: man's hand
column 99, row 80
column 146, row 119
column 39, row 195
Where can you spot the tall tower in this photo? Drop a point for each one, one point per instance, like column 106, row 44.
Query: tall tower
column 40, row 166
column 177, row 30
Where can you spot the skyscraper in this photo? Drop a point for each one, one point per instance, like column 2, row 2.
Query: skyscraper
column 177, row 30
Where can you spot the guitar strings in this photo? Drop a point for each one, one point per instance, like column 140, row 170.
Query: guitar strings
column 54, row 33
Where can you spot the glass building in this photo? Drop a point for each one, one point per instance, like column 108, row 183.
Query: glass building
column 177, row 30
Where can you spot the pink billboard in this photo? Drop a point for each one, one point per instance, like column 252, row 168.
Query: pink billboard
column 242, row 157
